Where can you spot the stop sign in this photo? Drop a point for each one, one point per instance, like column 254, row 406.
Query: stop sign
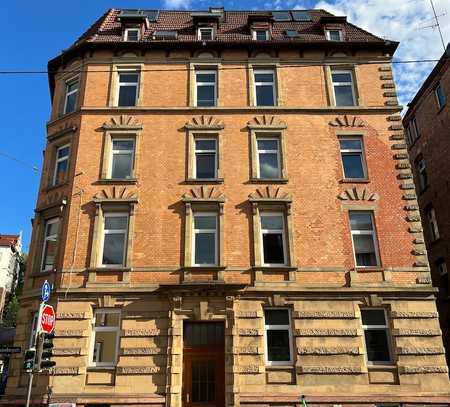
column 48, row 319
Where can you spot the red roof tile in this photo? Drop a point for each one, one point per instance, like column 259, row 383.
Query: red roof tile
column 8, row 240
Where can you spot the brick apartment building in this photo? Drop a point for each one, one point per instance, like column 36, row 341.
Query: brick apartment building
column 227, row 215
column 427, row 124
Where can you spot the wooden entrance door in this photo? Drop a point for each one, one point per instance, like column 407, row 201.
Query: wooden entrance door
column 203, row 365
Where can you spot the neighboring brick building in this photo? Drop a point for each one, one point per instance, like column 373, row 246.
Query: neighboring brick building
column 427, row 124
column 227, row 216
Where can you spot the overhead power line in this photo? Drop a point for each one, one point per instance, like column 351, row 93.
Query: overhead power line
column 26, row 164
column 305, row 65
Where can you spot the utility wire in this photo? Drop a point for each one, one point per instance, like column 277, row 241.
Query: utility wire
column 10, row 157
column 25, row 72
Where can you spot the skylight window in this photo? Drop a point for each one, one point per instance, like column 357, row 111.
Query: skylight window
column 291, row 33
column 165, row 35
column 281, row 15
column 301, row 15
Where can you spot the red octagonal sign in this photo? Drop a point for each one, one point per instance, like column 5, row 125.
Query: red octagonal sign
column 48, row 319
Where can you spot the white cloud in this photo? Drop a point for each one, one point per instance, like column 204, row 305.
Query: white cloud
column 176, row 4
column 400, row 21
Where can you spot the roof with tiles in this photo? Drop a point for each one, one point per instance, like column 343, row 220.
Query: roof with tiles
column 234, row 27
column 8, row 240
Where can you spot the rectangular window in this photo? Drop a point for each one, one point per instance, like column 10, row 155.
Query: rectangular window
column 364, row 239
column 70, row 100
column 413, row 130
column 128, row 88
column 105, row 337
column 206, row 87
column 132, row 34
column 376, row 335
column 61, row 164
column 122, row 158
column 334, row 35
column 115, row 236
column 205, row 158
column 268, row 157
column 353, row 162
column 50, row 245
column 440, row 96
column 204, row 243
column 206, row 34
column 265, row 91
column 343, row 87
column 441, row 266
column 273, row 239
column 432, row 224
column 260, row 35
column 278, row 333
column 422, row 172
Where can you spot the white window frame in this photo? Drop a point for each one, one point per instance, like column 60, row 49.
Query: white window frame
column 197, row 84
column 421, row 169
column 274, row 85
column 279, row 328
column 115, row 231
column 127, row 84
column 59, row 160
column 49, row 222
column 255, row 34
column 258, row 152
column 351, row 84
column 328, row 34
column 273, row 231
column 354, row 151
column 132, row 152
column 127, row 31
column 201, row 29
column 365, row 232
column 432, row 224
column 387, row 329
column 439, row 86
column 414, row 130
column 69, row 82
column 197, row 231
column 95, row 329
column 205, row 151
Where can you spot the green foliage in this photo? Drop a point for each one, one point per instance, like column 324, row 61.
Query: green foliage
column 10, row 312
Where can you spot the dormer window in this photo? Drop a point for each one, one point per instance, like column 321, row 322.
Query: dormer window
column 132, row 34
column 334, row 35
column 260, row 35
column 206, row 34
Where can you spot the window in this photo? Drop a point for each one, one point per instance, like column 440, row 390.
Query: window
column 265, row 91
column 344, row 92
column 105, row 337
column 268, row 157
column 115, row 235
column 205, row 158
column 50, row 245
column 376, row 335
column 205, row 239
column 412, row 131
column 334, row 35
column 353, row 161
column 440, row 96
column 132, row 34
column 122, row 160
column 273, row 239
column 260, row 35
column 441, row 266
column 61, row 164
column 422, row 172
column 278, row 333
column 364, row 239
column 432, row 224
column 206, row 87
column 206, row 34
column 70, row 100
column 128, row 88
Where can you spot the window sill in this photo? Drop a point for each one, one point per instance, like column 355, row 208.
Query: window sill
column 441, row 108
column 100, row 368
column 204, row 268
column 279, row 367
column 41, row 273
column 100, row 269
column 382, row 367
column 369, row 268
column 106, row 181
column 52, row 187
column 204, row 181
column 354, row 181
column 269, row 180
column 274, row 268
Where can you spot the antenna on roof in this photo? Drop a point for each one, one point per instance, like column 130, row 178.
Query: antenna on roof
column 436, row 24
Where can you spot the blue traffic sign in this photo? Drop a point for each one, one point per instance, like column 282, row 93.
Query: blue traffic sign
column 45, row 291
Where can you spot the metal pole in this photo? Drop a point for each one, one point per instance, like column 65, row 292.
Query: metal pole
column 437, row 24
column 30, row 386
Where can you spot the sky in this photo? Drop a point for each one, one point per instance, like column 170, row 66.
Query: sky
column 31, row 35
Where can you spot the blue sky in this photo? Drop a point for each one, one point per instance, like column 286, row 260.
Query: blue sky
column 31, row 35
